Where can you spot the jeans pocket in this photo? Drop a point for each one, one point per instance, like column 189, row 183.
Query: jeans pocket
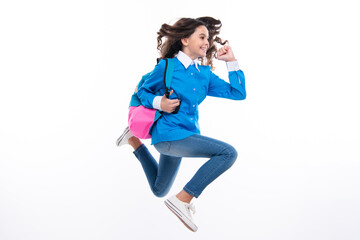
column 163, row 147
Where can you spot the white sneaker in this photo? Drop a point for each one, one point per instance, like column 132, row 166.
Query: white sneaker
column 123, row 139
column 182, row 211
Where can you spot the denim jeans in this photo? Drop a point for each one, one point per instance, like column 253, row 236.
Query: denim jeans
column 162, row 175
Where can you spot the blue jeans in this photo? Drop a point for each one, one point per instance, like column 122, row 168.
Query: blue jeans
column 161, row 176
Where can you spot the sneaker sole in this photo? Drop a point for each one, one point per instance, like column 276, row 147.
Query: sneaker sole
column 118, row 141
column 177, row 213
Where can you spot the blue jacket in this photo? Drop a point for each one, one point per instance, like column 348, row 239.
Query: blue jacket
column 191, row 87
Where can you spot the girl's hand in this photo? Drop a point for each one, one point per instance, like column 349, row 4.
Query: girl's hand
column 169, row 105
column 226, row 54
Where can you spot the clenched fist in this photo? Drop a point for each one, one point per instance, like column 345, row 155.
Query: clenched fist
column 225, row 54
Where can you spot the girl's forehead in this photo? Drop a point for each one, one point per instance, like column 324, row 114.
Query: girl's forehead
column 202, row 30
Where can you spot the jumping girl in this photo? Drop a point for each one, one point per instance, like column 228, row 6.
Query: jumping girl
column 176, row 135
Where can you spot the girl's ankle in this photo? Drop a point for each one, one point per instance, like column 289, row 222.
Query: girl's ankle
column 134, row 142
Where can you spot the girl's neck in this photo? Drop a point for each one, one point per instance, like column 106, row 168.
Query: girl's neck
column 188, row 53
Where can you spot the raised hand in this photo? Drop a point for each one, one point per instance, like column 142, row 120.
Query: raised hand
column 225, row 54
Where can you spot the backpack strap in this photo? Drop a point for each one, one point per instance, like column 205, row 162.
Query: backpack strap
column 169, row 68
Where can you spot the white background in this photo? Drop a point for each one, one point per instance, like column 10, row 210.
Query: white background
column 68, row 69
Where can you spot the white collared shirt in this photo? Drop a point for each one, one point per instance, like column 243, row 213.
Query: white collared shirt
column 186, row 62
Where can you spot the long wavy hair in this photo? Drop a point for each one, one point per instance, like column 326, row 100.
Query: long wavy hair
column 183, row 28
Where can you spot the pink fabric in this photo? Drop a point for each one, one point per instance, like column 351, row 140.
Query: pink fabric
column 140, row 120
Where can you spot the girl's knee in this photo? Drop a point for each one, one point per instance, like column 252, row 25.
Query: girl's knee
column 160, row 190
column 160, row 194
column 231, row 155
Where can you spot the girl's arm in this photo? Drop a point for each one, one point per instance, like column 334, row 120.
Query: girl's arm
column 152, row 85
column 151, row 93
column 235, row 90
column 218, row 87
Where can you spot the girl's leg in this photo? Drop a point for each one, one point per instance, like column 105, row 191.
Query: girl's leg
column 184, row 196
column 222, row 156
column 160, row 176
column 134, row 142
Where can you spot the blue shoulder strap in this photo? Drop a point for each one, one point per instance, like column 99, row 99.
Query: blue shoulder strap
column 169, row 69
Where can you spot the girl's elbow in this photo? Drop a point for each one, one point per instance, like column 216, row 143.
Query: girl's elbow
column 241, row 96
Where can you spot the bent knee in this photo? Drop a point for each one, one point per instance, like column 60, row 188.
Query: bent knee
column 159, row 194
column 231, row 155
column 160, row 191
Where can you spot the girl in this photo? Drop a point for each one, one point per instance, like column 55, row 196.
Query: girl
column 192, row 43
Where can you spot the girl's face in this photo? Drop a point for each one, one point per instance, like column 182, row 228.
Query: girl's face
column 197, row 44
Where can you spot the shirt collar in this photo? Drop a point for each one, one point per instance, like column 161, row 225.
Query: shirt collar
column 186, row 60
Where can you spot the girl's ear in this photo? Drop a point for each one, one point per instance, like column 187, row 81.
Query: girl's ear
column 185, row 42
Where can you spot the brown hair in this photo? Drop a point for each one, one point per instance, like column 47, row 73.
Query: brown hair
column 183, row 28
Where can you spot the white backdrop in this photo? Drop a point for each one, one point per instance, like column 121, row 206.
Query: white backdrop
column 68, row 69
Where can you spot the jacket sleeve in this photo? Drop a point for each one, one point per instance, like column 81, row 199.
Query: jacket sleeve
column 153, row 85
column 234, row 90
